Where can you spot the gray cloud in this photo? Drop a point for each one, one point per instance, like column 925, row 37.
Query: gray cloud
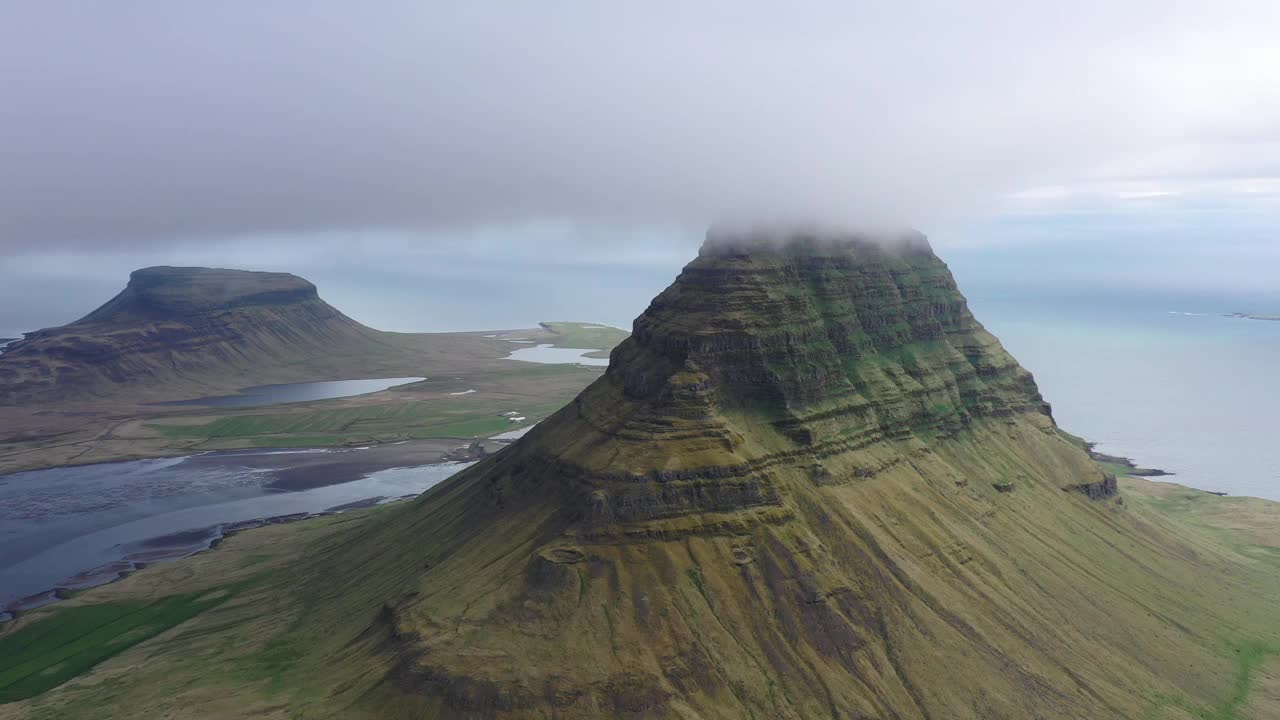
column 124, row 124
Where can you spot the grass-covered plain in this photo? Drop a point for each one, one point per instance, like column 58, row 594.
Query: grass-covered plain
column 585, row 336
column 434, row 408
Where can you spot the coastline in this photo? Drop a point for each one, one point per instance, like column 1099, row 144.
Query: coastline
column 1123, row 462
column 1125, row 467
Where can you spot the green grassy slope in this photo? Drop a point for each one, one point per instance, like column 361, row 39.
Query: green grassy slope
column 55, row 649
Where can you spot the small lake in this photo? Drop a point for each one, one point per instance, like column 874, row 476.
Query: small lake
column 82, row 526
column 297, row 392
column 553, row 355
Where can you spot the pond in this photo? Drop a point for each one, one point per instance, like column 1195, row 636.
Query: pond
column 297, row 392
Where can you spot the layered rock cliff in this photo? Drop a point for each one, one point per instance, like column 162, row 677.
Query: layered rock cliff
column 190, row 328
column 809, row 485
column 811, row 355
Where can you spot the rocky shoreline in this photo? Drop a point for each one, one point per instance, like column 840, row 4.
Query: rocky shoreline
column 1134, row 470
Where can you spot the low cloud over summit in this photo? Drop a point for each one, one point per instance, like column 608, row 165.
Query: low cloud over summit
column 151, row 122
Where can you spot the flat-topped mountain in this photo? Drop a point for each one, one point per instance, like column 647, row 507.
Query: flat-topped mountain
column 175, row 328
column 181, row 293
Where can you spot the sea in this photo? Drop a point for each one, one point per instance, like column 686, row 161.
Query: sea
column 1172, row 382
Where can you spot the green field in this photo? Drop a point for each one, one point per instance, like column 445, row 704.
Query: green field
column 428, row 410
column 585, row 335
column 47, row 653
column 390, row 422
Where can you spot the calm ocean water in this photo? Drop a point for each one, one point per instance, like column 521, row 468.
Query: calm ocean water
column 1169, row 382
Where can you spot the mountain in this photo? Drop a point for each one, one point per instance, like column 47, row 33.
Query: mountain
column 188, row 328
column 809, row 485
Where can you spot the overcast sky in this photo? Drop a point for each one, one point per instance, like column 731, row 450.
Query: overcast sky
column 486, row 164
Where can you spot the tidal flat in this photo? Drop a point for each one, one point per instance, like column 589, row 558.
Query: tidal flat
column 76, row 527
